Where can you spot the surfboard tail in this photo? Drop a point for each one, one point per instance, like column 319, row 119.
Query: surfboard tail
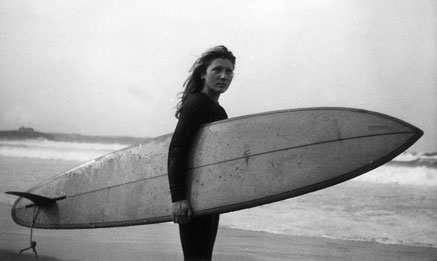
column 38, row 201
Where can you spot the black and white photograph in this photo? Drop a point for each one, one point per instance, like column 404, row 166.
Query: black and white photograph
column 238, row 130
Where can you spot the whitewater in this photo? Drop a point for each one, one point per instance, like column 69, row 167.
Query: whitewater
column 393, row 204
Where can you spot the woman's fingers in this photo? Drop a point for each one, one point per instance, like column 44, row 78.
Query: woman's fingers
column 181, row 219
column 182, row 212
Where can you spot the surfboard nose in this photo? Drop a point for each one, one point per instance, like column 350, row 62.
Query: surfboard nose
column 417, row 133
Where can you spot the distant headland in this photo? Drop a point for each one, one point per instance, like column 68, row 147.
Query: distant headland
column 24, row 133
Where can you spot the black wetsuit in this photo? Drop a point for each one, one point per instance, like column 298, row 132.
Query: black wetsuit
column 198, row 236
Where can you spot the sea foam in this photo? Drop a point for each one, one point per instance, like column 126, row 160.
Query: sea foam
column 400, row 175
column 45, row 149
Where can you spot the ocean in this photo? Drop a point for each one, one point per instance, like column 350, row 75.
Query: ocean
column 393, row 204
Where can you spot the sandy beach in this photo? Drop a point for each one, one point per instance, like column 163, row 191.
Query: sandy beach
column 160, row 242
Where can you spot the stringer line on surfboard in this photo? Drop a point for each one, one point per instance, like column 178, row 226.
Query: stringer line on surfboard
column 31, row 196
column 301, row 146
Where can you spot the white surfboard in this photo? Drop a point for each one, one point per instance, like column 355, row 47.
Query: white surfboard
column 235, row 164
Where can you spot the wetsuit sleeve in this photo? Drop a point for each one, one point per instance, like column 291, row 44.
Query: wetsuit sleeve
column 191, row 118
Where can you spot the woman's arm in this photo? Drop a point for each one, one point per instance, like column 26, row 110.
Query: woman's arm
column 191, row 118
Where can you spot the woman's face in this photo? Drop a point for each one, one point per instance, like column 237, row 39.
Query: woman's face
column 218, row 76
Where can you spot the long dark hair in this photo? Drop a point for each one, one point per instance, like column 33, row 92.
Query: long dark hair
column 194, row 83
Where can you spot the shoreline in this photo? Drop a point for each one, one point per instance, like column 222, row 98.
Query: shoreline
column 161, row 242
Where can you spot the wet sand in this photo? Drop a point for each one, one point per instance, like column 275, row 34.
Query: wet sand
column 161, row 242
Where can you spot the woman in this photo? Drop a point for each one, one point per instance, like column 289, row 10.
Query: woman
column 210, row 76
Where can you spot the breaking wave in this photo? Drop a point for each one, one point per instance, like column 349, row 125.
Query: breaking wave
column 45, row 149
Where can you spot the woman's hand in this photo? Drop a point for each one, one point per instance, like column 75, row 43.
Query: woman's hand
column 181, row 212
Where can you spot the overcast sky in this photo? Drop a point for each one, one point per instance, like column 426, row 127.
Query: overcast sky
column 115, row 67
